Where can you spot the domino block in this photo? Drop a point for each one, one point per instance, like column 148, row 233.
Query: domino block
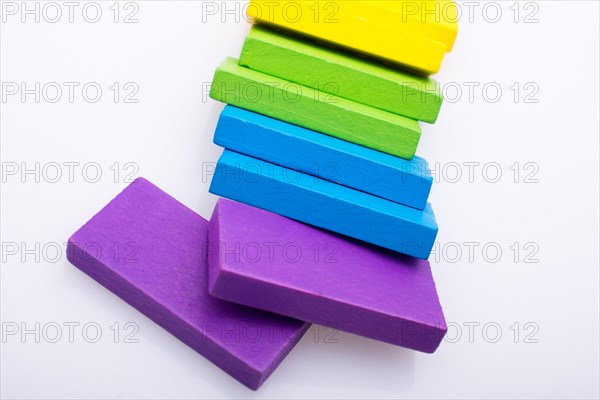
column 405, row 182
column 342, row 24
column 151, row 251
column 315, row 110
column 300, row 61
column 325, row 204
column 270, row 262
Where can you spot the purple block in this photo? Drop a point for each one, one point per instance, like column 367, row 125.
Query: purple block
column 267, row 261
column 150, row 250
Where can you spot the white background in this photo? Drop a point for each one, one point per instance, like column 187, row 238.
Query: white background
column 169, row 54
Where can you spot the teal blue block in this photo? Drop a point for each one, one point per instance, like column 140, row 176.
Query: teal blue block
column 325, row 204
column 403, row 181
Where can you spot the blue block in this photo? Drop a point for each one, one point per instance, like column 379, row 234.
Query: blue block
column 403, row 181
column 325, row 204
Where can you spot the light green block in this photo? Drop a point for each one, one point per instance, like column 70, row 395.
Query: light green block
column 315, row 110
column 351, row 77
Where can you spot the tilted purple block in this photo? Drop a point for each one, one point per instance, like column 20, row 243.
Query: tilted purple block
column 267, row 261
column 150, row 250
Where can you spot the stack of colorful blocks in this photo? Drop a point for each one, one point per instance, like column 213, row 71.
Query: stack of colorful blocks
column 330, row 222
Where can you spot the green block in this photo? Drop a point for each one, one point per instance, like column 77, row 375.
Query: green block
column 315, row 110
column 300, row 61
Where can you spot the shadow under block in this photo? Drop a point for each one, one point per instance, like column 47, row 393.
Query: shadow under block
column 313, row 275
column 336, row 23
column 290, row 146
column 324, row 204
column 315, row 110
column 343, row 75
column 150, row 250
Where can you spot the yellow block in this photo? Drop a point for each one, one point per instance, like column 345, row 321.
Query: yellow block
column 433, row 19
column 354, row 26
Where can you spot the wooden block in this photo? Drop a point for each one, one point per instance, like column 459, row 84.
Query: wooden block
column 325, row 204
column 151, row 251
column 315, row 110
column 290, row 146
column 357, row 79
column 434, row 19
column 267, row 261
column 335, row 23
